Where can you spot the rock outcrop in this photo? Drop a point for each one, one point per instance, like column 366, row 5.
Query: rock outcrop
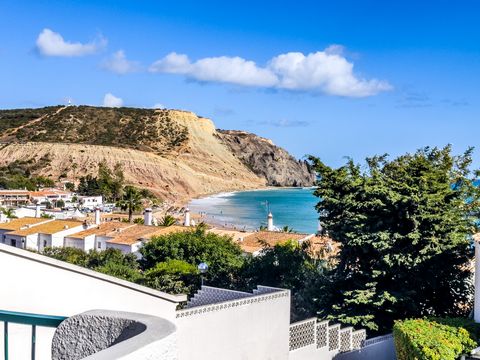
column 267, row 160
column 176, row 154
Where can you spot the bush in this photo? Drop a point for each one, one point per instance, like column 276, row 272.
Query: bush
column 434, row 339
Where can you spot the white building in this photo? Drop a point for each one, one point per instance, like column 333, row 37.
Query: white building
column 90, row 202
column 37, row 233
column 50, row 196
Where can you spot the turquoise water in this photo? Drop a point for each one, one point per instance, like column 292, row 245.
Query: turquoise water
column 292, row 207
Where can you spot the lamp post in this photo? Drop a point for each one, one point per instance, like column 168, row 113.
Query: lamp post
column 202, row 267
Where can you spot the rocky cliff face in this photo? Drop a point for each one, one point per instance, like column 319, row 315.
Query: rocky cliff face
column 267, row 160
column 174, row 153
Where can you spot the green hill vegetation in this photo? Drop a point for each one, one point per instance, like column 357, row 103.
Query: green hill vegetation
column 141, row 129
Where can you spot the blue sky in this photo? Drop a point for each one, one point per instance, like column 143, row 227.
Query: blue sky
column 329, row 78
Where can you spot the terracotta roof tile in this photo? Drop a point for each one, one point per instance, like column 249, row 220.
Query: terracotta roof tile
column 50, row 227
column 17, row 224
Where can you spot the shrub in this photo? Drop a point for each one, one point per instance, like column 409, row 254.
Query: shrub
column 434, row 339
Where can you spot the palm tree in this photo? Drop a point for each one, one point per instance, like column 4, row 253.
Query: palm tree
column 168, row 220
column 287, row 229
column 131, row 201
column 9, row 213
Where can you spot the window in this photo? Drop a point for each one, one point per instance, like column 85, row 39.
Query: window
column 44, row 243
column 13, row 242
column 99, row 245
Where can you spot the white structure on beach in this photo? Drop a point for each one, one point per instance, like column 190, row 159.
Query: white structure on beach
column 270, row 226
column 187, row 221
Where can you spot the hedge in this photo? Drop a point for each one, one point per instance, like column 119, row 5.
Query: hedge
column 435, row 338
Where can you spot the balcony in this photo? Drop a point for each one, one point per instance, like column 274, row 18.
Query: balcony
column 98, row 335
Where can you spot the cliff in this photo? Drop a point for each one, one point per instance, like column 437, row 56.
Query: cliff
column 266, row 160
column 174, row 153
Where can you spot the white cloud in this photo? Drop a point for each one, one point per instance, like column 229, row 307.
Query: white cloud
column 158, row 106
column 118, row 63
column 50, row 43
column 111, row 100
column 325, row 71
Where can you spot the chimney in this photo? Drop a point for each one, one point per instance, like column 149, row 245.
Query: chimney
column 270, row 222
column 187, row 217
column 319, row 228
column 147, row 217
column 37, row 211
column 97, row 216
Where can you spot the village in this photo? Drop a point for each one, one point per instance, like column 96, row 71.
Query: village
column 32, row 220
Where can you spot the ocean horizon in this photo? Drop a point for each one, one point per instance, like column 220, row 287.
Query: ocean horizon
column 248, row 210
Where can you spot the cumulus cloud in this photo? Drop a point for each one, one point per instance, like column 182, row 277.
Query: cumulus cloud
column 111, row 100
column 50, row 43
column 327, row 72
column 118, row 63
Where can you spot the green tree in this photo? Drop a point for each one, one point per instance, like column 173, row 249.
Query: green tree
column 131, row 201
column 289, row 266
column 168, row 220
column 405, row 228
column 172, row 276
column 223, row 256
column 9, row 213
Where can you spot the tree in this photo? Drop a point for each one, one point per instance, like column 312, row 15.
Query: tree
column 405, row 230
column 60, row 203
column 70, row 186
column 173, row 276
column 168, row 220
column 287, row 229
column 289, row 266
column 131, row 201
column 223, row 256
column 9, row 213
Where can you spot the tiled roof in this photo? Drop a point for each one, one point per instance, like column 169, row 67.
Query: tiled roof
column 50, row 227
column 253, row 242
column 136, row 233
column 17, row 224
column 13, row 192
column 103, row 229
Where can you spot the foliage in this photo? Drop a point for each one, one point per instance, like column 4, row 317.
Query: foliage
column 422, row 339
column 120, row 271
column 107, row 183
column 46, row 216
column 143, row 129
column 168, row 220
column 405, row 227
column 93, row 259
column 60, row 203
column 20, row 174
column 173, row 276
column 287, row 229
column 223, row 256
column 131, row 201
column 9, row 213
column 289, row 266
column 70, row 186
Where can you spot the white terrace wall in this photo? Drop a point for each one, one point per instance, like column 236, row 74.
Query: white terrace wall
column 36, row 284
column 379, row 348
column 253, row 327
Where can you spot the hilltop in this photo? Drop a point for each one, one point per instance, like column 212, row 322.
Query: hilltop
column 174, row 153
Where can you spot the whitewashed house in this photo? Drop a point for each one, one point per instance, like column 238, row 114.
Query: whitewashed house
column 50, row 196
column 90, row 202
column 39, row 235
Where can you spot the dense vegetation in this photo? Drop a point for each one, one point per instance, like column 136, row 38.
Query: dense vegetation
column 434, row 339
column 170, row 264
column 143, row 129
column 11, row 119
column 405, row 228
column 21, row 174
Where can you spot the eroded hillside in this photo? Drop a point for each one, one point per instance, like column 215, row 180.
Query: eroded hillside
column 176, row 154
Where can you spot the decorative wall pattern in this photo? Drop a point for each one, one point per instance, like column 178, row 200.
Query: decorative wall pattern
column 302, row 334
column 243, row 300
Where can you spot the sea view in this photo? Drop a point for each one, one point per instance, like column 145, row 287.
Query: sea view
column 292, row 207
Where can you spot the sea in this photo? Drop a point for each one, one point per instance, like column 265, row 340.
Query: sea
column 248, row 210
